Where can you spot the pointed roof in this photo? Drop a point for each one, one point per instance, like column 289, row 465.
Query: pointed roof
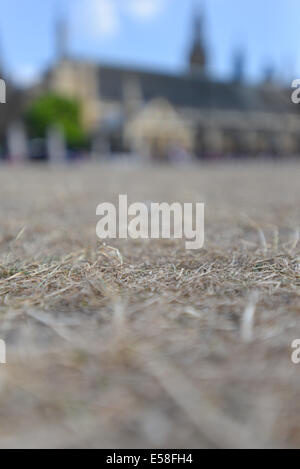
column 197, row 57
column 61, row 33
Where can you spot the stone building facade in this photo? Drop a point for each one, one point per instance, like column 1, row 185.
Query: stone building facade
column 215, row 117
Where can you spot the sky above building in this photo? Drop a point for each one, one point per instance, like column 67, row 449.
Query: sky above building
column 153, row 34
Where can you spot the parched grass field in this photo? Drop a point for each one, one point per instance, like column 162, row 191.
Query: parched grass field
column 136, row 344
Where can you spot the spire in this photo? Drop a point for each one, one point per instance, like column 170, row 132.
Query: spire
column 198, row 25
column 268, row 75
column 239, row 61
column 61, row 36
column 197, row 58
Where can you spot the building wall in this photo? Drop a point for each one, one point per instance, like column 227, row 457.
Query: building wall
column 214, row 131
column 79, row 80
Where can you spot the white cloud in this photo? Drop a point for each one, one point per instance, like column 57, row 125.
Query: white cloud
column 102, row 18
column 146, row 9
column 99, row 18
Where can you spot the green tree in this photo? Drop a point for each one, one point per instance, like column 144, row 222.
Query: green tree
column 52, row 109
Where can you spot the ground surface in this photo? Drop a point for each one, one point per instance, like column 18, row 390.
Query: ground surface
column 142, row 343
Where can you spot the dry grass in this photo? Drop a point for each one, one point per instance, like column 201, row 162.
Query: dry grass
column 142, row 343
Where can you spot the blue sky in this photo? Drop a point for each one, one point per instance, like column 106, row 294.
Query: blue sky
column 153, row 33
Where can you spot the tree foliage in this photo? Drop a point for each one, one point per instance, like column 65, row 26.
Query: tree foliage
column 51, row 109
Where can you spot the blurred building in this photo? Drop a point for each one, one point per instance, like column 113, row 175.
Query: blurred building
column 153, row 113
column 12, row 111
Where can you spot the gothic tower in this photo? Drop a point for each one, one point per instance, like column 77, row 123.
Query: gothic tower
column 61, row 37
column 197, row 57
column 239, row 61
